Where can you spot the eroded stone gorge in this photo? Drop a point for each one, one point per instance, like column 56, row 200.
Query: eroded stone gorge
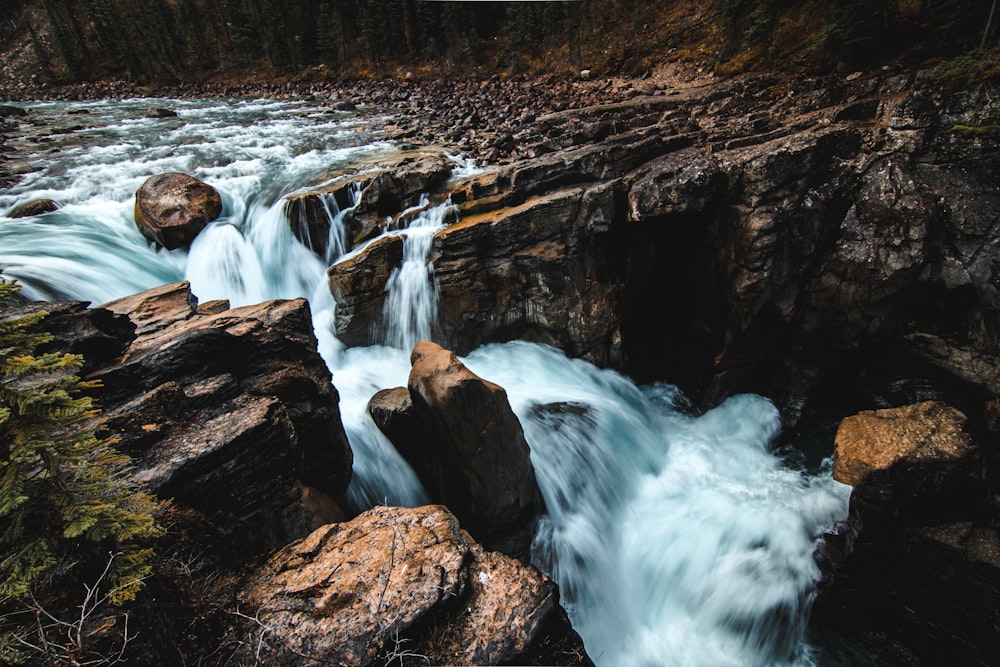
column 829, row 243
column 754, row 234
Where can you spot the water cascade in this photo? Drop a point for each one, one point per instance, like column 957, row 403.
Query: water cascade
column 676, row 538
column 411, row 307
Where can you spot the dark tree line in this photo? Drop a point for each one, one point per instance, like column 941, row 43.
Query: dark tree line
column 859, row 29
column 172, row 40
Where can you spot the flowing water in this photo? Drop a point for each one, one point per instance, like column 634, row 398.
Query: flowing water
column 676, row 538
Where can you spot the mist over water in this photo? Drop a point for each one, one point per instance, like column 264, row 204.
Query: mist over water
column 676, row 538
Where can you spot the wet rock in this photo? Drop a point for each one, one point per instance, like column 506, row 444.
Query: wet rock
column 33, row 208
column 160, row 112
column 357, row 284
column 462, row 438
column 7, row 111
column 398, row 185
column 392, row 412
column 309, row 216
column 371, row 196
column 171, row 208
column 395, row 582
column 228, row 411
column 531, row 271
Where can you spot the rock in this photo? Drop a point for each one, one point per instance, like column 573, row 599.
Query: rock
column 228, row 411
column 171, row 208
column 357, row 284
column 532, row 271
column 392, row 412
column 395, row 582
column 875, row 440
column 371, row 196
column 915, row 569
column 160, row 112
column 399, row 184
column 682, row 182
column 32, row 208
column 100, row 335
column 467, row 446
column 344, row 105
column 309, row 216
column 7, row 111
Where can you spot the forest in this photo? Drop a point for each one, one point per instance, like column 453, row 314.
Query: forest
column 170, row 41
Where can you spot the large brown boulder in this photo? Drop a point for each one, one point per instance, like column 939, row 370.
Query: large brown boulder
column 32, row 208
column 466, row 444
column 397, row 582
column 171, row 208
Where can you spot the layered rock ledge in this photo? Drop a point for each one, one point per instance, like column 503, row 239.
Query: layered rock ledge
column 227, row 411
column 757, row 234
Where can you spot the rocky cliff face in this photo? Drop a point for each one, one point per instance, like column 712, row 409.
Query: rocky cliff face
column 755, row 234
column 229, row 412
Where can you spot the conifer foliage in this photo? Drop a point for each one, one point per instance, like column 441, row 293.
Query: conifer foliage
column 67, row 505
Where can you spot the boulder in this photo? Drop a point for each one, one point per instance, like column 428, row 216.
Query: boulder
column 915, row 569
column 160, row 112
column 171, row 208
column 394, row 583
column 392, row 412
column 357, row 283
column 33, row 208
column 467, row 446
column 924, row 433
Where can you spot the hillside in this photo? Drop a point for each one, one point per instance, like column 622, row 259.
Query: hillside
column 166, row 42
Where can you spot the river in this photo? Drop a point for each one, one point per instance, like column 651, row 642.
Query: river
column 677, row 538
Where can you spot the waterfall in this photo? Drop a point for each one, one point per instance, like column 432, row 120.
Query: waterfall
column 676, row 538
column 411, row 305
